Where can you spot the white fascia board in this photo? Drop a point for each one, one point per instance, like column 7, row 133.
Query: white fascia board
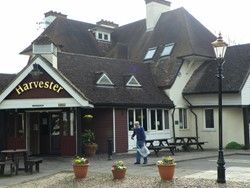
column 55, row 76
column 39, row 103
column 13, row 85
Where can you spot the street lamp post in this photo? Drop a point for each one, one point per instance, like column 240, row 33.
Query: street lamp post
column 220, row 49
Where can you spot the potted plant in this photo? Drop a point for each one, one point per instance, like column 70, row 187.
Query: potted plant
column 90, row 147
column 80, row 166
column 166, row 168
column 119, row 170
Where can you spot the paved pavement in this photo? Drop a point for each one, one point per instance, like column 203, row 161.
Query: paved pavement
column 194, row 164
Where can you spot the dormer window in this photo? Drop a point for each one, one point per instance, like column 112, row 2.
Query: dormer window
column 100, row 35
column 104, row 80
column 133, row 82
column 150, row 54
column 167, row 50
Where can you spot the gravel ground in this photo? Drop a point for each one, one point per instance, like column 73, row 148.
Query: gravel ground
column 105, row 180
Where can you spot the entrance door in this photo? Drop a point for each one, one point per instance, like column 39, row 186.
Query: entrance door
column 44, row 133
column 34, row 133
column 55, row 133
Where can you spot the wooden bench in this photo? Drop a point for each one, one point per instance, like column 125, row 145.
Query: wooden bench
column 186, row 142
column 157, row 147
column 10, row 163
column 30, row 162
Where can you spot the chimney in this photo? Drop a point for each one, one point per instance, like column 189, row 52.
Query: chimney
column 154, row 9
column 51, row 16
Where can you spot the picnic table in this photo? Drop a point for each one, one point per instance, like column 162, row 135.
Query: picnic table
column 159, row 144
column 14, row 155
column 187, row 141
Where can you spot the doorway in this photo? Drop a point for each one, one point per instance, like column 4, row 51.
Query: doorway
column 45, row 133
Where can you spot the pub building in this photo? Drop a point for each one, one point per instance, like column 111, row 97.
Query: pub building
column 159, row 71
column 42, row 108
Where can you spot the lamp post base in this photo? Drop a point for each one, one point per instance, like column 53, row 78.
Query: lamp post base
column 220, row 168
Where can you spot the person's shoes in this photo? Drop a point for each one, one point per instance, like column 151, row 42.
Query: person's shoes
column 145, row 162
column 136, row 163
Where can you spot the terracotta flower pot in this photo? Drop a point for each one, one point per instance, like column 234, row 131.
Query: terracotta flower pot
column 90, row 149
column 118, row 174
column 80, row 171
column 166, row 171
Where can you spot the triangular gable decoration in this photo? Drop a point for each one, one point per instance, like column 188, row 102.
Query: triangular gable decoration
column 104, row 80
column 133, row 82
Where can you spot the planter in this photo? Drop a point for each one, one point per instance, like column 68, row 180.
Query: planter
column 118, row 174
column 90, row 149
column 166, row 171
column 80, row 171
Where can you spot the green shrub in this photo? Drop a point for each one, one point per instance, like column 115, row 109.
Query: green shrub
column 234, row 145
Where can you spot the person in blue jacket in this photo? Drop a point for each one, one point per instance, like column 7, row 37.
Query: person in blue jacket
column 140, row 141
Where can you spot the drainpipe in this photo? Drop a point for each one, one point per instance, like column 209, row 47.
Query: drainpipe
column 195, row 115
column 173, row 126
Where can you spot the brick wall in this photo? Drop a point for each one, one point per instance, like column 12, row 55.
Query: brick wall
column 102, row 125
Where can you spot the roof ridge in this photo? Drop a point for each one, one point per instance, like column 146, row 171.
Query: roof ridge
column 184, row 14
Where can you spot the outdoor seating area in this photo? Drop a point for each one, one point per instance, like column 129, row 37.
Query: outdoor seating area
column 10, row 159
column 158, row 144
column 187, row 141
column 172, row 144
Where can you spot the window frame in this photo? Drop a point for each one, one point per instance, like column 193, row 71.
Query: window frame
column 183, row 119
column 205, row 119
column 147, row 54
column 104, row 84
column 133, row 85
column 169, row 45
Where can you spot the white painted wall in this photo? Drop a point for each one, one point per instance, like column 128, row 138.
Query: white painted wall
column 233, row 127
column 212, row 99
column 175, row 94
column 48, row 51
column 245, row 92
column 153, row 13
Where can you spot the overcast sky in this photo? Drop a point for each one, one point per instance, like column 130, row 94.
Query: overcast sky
column 19, row 20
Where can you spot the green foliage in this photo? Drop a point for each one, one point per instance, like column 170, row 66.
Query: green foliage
column 168, row 160
column 234, row 145
column 119, row 165
column 88, row 137
column 80, row 161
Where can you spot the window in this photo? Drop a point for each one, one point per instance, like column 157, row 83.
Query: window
column 152, row 119
column 209, row 118
column 106, row 37
column 68, row 123
column 15, row 122
column 156, row 119
column 167, row 49
column 166, row 116
column 104, row 80
column 133, row 82
column 150, row 54
column 183, row 118
column 137, row 115
column 99, row 35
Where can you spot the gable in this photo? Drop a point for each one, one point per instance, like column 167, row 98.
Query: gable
column 43, row 86
column 48, row 89
column 104, row 80
column 133, row 82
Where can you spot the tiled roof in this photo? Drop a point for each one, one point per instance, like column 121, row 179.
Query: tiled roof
column 5, row 79
column 83, row 70
column 236, row 71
